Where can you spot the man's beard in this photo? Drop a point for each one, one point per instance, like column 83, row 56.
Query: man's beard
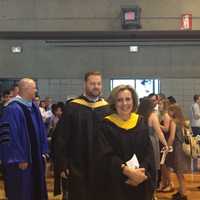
column 93, row 94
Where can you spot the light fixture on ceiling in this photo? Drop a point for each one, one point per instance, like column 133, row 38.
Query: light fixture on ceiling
column 16, row 49
column 133, row 48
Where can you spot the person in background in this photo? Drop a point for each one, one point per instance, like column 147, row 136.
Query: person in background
column 122, row 136
column 48, row 112
column 14, row 91
column 164, row 117
column 48, row 103
column 61, row 105
column 161, row 96
column 23, row 154
column 37, row 100
column 155, row 99
column 6, row 96
column 43, row 111
column 57, row 111
column 4, row 100
column 146, row 109
column 195, row 115
column 166, row 184
column 177, row 160
column 171, row 99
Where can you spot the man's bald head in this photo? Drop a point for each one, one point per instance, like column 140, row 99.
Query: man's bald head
column 27, row 88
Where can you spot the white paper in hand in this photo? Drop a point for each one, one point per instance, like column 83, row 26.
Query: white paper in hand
column 133, row 162
column 163, row 158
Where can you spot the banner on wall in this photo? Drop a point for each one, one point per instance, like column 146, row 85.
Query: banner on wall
column 186, row 22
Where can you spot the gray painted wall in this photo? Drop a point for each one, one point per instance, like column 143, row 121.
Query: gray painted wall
column 59, row 69
column 41, row 60
column 67, row 15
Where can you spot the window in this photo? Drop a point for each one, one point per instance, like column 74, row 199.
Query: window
column 116, row 82
column 143, row 87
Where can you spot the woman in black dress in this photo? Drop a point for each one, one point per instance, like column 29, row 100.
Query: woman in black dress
column 178, row 160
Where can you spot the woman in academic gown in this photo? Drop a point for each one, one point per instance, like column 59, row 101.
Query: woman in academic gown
column 122, row 135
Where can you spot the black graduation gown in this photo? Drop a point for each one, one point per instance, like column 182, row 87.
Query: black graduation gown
column 118, row 141
column 74, row 141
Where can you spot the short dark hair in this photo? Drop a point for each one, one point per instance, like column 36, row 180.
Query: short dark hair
column 113, row 96
column 61, row 105
column 54, row 108
column 5, row 93
column 171, row 99
column 91, row 73
column 145, row 108
column 195, row 97
column 152, row 95
column 14, row 86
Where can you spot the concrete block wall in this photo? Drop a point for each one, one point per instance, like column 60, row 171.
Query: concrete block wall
column 61, row 89
column 183, row 90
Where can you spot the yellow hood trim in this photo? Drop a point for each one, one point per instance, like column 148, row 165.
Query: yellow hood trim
column 97, row 104
column 128, row 124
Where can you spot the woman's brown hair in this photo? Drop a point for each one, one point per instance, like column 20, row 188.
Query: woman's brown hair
column 177, row 115
column 146, row 108
column 113, row 96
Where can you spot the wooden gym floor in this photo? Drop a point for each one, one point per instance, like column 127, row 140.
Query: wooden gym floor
column 192, row 181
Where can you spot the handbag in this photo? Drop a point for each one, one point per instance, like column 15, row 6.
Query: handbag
column 191, row 144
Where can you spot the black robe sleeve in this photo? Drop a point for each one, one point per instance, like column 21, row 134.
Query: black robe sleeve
column 60, row 145
column 61, row 139
column 106, row 153
column 108, row 165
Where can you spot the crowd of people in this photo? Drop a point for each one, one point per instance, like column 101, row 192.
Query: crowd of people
column 99, row 149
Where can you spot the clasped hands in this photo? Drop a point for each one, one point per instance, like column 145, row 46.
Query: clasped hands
column 64, row 174
column 135, row 175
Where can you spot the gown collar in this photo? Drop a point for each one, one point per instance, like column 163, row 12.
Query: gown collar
column 124, row 124
column 19, row 99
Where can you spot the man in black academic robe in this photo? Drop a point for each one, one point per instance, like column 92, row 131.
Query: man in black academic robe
column 75, row 138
